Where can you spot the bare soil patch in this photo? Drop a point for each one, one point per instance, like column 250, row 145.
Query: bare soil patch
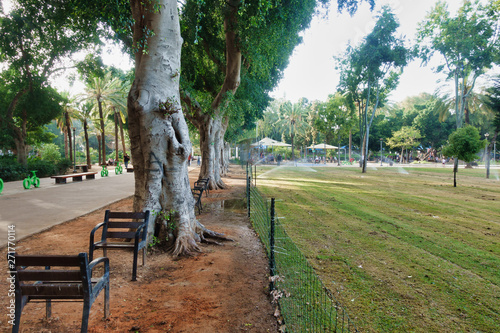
column 223, row 289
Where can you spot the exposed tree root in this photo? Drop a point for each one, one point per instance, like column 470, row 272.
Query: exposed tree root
column 185, row 246
column 206, row 233
column 207, row 241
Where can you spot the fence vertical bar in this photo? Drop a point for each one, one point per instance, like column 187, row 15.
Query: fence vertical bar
column 272, row 262
column 255, row 176
column 248, row 195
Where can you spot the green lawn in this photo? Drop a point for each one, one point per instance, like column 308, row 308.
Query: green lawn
column 400, row 248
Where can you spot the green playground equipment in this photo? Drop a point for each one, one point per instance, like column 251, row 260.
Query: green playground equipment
column 348, row 162
column 119, row 168
column 33, row 180
column 104, row 171
column 1, row 185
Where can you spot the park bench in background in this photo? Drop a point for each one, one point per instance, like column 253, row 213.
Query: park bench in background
column 204, row 182
column 63, row 284
column 84, row 167
column 130, row 226
column 197, row 192
column 77, row 177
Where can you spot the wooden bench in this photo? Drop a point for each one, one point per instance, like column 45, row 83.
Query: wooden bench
column 77, row 177
column 204, row 182
column 197, row 192
column 35, row 283
column 133, row 227
column 84, row 167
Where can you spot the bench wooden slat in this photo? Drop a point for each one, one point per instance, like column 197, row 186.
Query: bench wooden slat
column 48, row 275
column 54, row 291
column 120, row 234
column 134, row 225
column 39, row 260
column 127, row 215
column 108, row 245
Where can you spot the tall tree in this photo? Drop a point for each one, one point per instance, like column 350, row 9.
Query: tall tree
column 293, row 120
column 493, row 94
column 220, row 36
column 375, row 66
column 69, row 110
column 31, row 47
column 84, row 114
column 468, row 44
column 103, row 92
column 335, row 117
column 158, row 131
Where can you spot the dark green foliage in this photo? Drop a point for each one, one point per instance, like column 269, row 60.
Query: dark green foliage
column 464, row 144
column 494, row 102
column 11, row 170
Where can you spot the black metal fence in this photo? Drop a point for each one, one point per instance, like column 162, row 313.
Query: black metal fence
column 306, row 305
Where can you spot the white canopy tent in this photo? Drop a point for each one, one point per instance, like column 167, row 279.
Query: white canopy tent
column 322, row 146
column 270, row 142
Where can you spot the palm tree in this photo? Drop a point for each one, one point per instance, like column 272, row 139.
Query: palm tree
column 84, row 114
column 475, row 103
column 293, row 119
column 64, row 122
column 103, row 90
column 118, row 107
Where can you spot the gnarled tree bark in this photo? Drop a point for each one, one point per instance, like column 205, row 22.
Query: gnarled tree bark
column 159, row 136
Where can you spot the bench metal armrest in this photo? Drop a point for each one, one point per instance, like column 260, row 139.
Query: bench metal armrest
column 97, row 261
column 103, row 280
column 91, row 245
column 94, row 230
column 140, row 234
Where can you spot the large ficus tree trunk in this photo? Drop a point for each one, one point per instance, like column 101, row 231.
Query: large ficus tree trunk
column 159, row 136
column 213, row 128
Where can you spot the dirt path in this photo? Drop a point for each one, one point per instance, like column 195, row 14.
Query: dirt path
column 222, row 289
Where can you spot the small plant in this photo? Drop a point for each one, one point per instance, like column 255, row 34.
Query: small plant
column 167, row 219
column 155, row 241
column 168, row 107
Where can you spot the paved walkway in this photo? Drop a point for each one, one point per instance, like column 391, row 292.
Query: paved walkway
column 37, row 209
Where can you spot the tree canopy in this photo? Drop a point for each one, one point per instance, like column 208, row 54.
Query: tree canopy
column 467, row 43
column 371, row 71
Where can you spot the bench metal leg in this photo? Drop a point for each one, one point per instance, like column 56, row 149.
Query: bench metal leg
column 143, row 256
column 106, row 301
column 134, row 269
column 48, row 308
column 85, row 316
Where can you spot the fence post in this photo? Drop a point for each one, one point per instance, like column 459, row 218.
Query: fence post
column 272, row 261
column 248, row 195
column 255, row 176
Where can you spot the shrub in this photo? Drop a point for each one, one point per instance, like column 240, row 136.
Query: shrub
column 50, row 152
column 62, row 166
column 10, row 170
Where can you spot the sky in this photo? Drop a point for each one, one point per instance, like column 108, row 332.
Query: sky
column 311, row 71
